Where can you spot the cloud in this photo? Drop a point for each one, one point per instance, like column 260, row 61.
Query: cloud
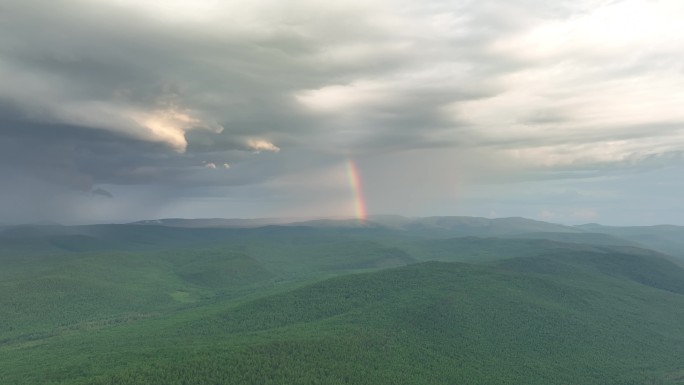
column 590, row 88
column 170, row 126
column 258, row 145
column 210, row 165
column 102, row 192
column 340, row 98
column 478, row 92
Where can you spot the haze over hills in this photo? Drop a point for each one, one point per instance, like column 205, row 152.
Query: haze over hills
column 170, row 233
column 388, row 300
column 665, row 238
column 453, row 223
column 218, row 222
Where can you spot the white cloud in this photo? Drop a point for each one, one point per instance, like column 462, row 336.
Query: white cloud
column 170, row 125
column 601, row 32
column 166, row 125
column 601, row 86
column 258, row 145
column 210, row 165
column 342, row 98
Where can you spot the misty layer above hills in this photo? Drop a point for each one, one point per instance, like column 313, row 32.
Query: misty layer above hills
column 465, row 225
column 170, row 233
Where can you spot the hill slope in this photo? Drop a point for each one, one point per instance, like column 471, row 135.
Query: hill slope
column 585, row 318
column 668, row 239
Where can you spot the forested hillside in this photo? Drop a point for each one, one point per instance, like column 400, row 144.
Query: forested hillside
column 338, row 305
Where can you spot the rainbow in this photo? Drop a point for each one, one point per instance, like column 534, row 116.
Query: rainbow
column 355, row 183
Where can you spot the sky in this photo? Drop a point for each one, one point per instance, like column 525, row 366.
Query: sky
column 121, row 110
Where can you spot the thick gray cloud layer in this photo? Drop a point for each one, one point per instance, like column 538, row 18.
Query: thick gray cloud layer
column 119, row 109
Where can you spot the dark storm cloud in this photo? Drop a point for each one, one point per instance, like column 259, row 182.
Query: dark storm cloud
column 74, row 156
column 162, row 95
column 71, row 81
column 102, row 66
column 80, row 158
column 126, row 60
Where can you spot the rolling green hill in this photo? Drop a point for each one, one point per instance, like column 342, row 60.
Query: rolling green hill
column 584, row 318
column 146, row 304
column 47, row 291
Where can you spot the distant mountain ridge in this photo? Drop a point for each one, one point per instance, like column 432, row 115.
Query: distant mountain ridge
column 179, row 232
column 215, row 222
column 668, row 239
column 477, row 226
